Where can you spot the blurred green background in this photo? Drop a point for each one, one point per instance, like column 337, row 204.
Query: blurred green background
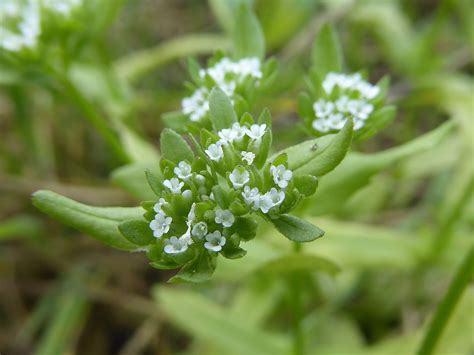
column 398, row 232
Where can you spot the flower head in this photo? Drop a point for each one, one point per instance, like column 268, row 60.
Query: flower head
column 251, row 196
column 196, row 105
column 215, row 152
column 215, row 241
column 19, row 25
column 183, row 170
column 175, row 245
column 174, row 185
column 256, row 131
column 224, row 217
column 160, row 225
column 199, row 230
column 239, row 177
column 281, row 175
column 248, row 157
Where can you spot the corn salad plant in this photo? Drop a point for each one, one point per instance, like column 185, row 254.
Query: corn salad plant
column 272, row 233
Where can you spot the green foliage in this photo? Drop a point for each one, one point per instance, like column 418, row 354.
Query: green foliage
column 174, row 147
column 247, row 34
column 208, row 321
column 319, row 156
column 297, row 229
column 326, row 54
column 221, row 109
column 99, row 222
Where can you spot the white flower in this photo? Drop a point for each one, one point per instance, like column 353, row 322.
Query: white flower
column 275, row 196
column 215, row 241
column 175, row 245
column 239, row 131
column 239, row 177
column 63, row 7
column 160, row 225
column 197, row 105
column 271, row 199
column 281, row 175
column 256, row 131
column 183, row 170
column 19, row 25
column 157, row 206
column 215, row 152
column 251, row 196
column 174, row 185
column 227, row 135
column 323, row 108
column 199, row 230
column 248, row 157
column 265, row 203
column 224, row 217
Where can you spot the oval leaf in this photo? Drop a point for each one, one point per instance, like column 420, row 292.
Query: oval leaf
column 137, row 232
column 99, row 222
column 299, row 262
column 222, row 112
column 326, row 52
column 297, row 229
column 174, row 147
column 248, row 37
column 319, row 156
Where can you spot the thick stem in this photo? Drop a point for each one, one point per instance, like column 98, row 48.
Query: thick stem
column 446, row 307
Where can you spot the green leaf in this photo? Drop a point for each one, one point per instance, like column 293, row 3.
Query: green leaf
column 319, row 156
column 175, row 120
column 99, row 222
column 137, row 232
column 174, row 147
column 327, row 55
column 297, row 229
column 132, row 178
column 337, row 188
column 377, row 121
column 247, row 35
column 299, row 262
column 200, row 269
column 208, row 322
column 306, row 184
column 221, row 110
column 154, row 182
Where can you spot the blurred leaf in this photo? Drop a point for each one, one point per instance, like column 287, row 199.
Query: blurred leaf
column 19, row 227
column 299, row 262
column 209, row 322
column 247, row 34
column 99, row 222
column 297, row 229
column 225, row 10
column 357, row 169
column 71, row 308
column 174, row 147
column 132, row 178
column 319, row 156
column 326, row 53
column 221, row 110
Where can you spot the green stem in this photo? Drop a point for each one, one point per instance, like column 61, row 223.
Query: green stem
column 296, row 303
column 99, row 122
column 447, row 305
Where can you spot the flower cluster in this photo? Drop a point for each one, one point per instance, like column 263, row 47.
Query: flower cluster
column 209, row 202
column 346, row 96
column 20, row 21
column 228, row 75
column 19, row 24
